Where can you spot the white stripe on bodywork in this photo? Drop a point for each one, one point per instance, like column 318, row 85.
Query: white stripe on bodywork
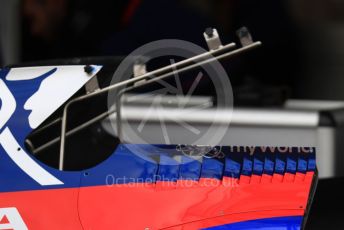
column 8, row 104
column 15, row 220
column 22, row 159
column 53, row 91
column 29, row 73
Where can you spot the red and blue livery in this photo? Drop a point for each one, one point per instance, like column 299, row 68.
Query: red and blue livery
column 158, row 188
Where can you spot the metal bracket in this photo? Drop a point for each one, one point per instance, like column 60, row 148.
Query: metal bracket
column 244, row 36
column 217, row 52
column 140, row 69
column 92, row 85
column 212, row 38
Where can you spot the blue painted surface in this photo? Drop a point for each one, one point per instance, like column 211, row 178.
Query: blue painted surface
column 233, row 164
column 168, row 169
column 312, row 161
column 269, row 164
column 258, row 164
column 280, row 163
column 302, row 163
column 247, row 167
column 278, row 223
column 190, row 169
column 120, row 168
column 212, row 168
column 291, row 163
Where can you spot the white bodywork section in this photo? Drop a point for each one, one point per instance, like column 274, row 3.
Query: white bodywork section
column 53, row 91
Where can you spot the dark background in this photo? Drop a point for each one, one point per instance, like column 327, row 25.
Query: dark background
column 303, row 52
column 302, row 55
